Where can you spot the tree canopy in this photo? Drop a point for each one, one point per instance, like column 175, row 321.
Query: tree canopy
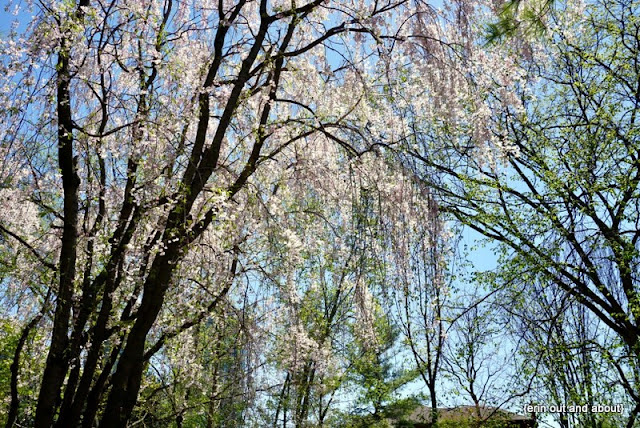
column 252, row 213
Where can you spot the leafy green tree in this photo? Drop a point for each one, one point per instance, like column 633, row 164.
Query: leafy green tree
column 378, row 375
column 558, row 186
column 565, row 353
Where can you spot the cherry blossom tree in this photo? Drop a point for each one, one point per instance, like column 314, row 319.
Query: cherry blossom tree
column 132, row 135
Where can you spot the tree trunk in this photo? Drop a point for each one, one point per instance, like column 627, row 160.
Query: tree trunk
column 127, row 378
column 58, row 360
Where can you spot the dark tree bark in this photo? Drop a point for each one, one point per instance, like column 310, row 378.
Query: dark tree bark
column 58, row 358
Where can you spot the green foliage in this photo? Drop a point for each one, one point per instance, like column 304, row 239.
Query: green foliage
column 378, row 376
column 30, row 362
column 9, row 336
column 518, row 18
column 562, row 203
